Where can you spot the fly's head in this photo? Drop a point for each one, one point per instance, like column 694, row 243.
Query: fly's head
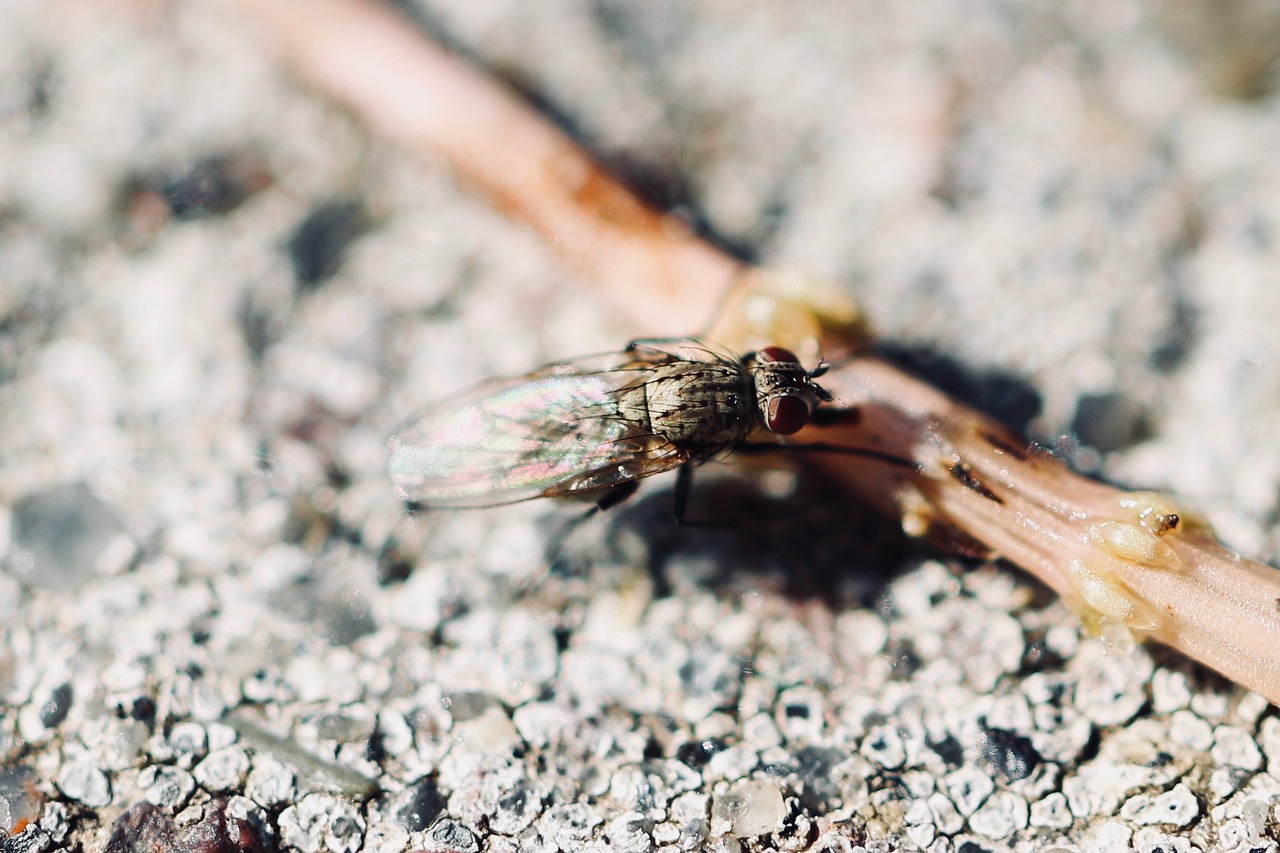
column 786, row 394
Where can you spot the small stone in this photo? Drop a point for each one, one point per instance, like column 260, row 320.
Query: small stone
column 166, row 786
column 751, row 807
column 418, row 806
column 1250, row 708
column 761, row 732
column 56, row 821
column 627, row 833
column 451, row 835
column 884, row 746
column 53, row 710
column 185, row 745
column 920, row 828
column 1051, row 811
column 801, row 714
column 541, row 723
column 1269, row 740
column 85, row 782
column 945, row 816
column 665, row 834
column 968, row 788
column 511, row 802
column 570, row 825
column 395, row 733
column 222, row 769
column 1111, row 836
column 1003, row 814
column 1112, row 688
column 1235, row 747
column 271, row 782
column 1186, row 729
column 1011, row 754
column 1210, row 706
column 733, row 762
column 1154, row 841
column 1170, row 691
column 1225, row 781
column 1176, row 807
column 319, row 821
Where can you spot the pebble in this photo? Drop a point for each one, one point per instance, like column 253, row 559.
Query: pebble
column 968, row 788
column 184, row 745
column 451, row 835
column 1003, row 814
column 1176, row 807
column 509, row 800
column 801, row 714
column 318, row 822
column 1149, row 840
column 223, row 769
column 1051, row 811
column 1186, row 729
column 1170, row 690
column 570, row 825
column 628, row 833
column 884, row 746
column 1235, row 747
column 1111, row 689
column 749, row 808
column 271, row 782
column 733, row 762
column 82, row 780
column 166, row 786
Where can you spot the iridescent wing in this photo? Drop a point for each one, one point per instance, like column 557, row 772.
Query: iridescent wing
column 557, row 431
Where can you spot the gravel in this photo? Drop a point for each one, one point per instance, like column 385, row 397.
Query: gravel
column 219, row 294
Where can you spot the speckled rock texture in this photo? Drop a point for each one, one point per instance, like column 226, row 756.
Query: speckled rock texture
column 219, row 630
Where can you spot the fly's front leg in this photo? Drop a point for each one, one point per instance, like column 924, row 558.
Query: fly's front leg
column 680, row 500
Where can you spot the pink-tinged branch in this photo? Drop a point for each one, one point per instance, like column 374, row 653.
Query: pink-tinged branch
column 366, row 56
column 1129, row 561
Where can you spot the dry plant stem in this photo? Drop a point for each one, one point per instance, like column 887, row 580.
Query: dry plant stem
column 367, row 56
column 1130, row 562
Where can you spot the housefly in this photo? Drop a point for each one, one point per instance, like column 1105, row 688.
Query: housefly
column 597, row 425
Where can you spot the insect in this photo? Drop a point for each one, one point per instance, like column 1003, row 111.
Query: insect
column 598, row 425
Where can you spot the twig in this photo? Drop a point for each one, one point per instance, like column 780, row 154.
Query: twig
column 1129, row 561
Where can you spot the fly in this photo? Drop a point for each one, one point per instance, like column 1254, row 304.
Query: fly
column 597, row 425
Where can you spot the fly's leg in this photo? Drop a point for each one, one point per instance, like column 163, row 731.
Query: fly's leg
column 835, row 416
column 680, row 500
column 554, row 552
column 613, row 497
column 818, row 447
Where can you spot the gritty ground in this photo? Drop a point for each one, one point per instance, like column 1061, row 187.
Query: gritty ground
column 219, row 294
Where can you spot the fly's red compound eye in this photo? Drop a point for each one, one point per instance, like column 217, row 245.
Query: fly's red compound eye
column 777, row 354
column 786, row 413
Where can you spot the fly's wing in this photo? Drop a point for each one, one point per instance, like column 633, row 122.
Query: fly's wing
column 554, row 432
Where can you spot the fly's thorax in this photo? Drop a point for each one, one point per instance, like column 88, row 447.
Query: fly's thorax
column 785, row 393
column 692, row 403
